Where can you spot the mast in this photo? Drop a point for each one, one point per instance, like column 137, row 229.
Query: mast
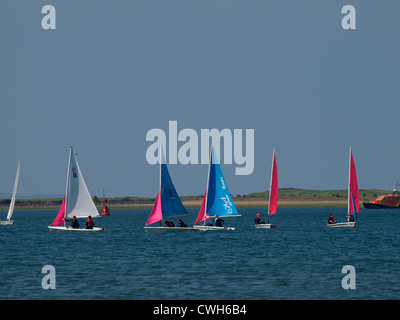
column 208, row 180
column 67, row 186
column 270, row 184
column 203, row 209
column 160, row 162
column 12, row 203
column 159, row 189
column 349, row 189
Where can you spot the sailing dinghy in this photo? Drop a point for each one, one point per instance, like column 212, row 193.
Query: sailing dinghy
column 12, row 203
column 168, row 204
column 273, row 195
column 77, row 201
column 353, row 197
column 217, row 199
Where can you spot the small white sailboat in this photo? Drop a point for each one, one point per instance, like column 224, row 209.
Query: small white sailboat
column 12, row 203
column 352, row 200
column 77, row 201
column 167, row 204
column 217, row 200
column 273, row 195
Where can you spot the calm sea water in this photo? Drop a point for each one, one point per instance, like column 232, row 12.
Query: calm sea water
column 301, row 259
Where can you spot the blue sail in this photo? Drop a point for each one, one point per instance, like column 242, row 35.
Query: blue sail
column 171, row 204
column 219, row 200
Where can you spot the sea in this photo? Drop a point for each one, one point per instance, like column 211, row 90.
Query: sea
column 301, row 259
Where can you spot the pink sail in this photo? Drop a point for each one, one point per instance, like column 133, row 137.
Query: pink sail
column 202, row 213
column 59, row 220
column 353, row 199
column 156, row 213
column 273, row 191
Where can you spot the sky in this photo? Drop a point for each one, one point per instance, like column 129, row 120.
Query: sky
column 111, row 71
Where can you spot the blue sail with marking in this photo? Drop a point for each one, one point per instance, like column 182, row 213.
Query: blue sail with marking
column 219, row 200
column 171, row 204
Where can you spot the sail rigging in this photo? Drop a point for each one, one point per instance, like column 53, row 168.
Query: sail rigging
column 353, row 196
column 12, row 203
column 273, row 188
column 167, row 204
column 217, row 199
column 78, row 201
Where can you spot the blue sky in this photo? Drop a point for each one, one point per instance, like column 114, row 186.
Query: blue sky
column 113, row 70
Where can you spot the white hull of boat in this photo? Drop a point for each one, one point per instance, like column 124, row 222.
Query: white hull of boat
column 6, row 222
column 212, row 228
column 342, row 225
column 168, row 228
column 264, row 226
column 62, row 228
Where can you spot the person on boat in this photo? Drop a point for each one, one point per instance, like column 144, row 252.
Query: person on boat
column 89, row 223
column 350, row 217
column 169, row 223
column 331, row 220
column 218, row 221
column 257, row 219
column 181, row 224
column 74, row 223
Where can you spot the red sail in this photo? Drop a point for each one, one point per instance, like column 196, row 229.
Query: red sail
column 354, row 199
column 202, row 213
column 156, row 213
column 59, row 220
column 273, row 191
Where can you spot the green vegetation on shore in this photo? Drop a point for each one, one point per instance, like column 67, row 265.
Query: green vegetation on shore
column 289, row 197
column 320, row 195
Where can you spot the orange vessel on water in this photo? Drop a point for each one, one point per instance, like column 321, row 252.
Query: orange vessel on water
column 388, row 201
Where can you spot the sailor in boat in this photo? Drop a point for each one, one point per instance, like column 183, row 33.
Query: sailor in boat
column 181, row 224
column 350, row 217
column 218, row 221
column 89, row 223
column 257, row 219
column 74, row 223
column 331, row 220
column 169, row 223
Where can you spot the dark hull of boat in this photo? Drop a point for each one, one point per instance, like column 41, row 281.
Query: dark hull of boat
column 370, row 205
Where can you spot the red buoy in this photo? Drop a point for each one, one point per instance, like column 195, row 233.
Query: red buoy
column 105, row 211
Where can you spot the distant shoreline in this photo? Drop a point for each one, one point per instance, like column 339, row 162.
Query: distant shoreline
column 197, row 204
column 288, row 197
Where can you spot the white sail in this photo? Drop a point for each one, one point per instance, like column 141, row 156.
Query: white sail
column 78, row 201
column 11, row 209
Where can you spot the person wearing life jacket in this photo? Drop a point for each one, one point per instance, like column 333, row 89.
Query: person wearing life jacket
column 331, row 220
column 208, row 222
column 181, row 224
column 89, row 223
column 74, row 223
column 169, row 223
column 350, row 217
column 218, row 221
column 257, row 219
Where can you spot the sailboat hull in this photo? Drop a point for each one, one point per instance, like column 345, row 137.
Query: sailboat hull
column 6, row 222
column 342, row 225
column 62, row 228
column 212, row 228
column 264, row 226
column 168, row 228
